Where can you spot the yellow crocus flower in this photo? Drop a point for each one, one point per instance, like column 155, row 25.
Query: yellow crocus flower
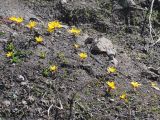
column 39, row 39
column 16, row 19
column 74, row 31
column 111, row 85
column 111, row 69
column 124, row 97
column 135, row 84
column 83, row 55
column 9, row 54
column 53, row 68
column 31, row 24
column 53, row 25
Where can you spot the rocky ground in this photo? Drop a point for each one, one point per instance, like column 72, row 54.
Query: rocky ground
column 112, row 34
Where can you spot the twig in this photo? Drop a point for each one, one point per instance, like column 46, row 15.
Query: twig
column 129, row 112
column 156, row 42
column 61, row 106
column 150, row 23
column 49, row 109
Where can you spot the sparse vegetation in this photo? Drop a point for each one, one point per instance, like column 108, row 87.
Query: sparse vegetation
column 49, row 70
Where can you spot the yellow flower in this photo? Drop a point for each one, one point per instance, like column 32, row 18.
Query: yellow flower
column 9, row 54
column 13, row 18
column 19, row 20
column 76, row 46
column 135, row 84
column 31, row 24
column 155, row 86
column 53, row 25
column 124, row 97
column 83, row 55
column 16, row 19
column 74, row 31
column 53, row 68
column 111, row 85
column 39, row 39
column 111, row 69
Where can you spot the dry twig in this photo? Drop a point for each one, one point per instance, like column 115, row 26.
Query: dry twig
column 150, row 24
column 60, row 104
column 150, row 18
column 49, row 109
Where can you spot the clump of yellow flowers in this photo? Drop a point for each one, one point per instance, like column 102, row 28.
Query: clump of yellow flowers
column 53, row 68
column 135, row 85
column 111, row 69
column 83, row 55
column 16, row 19
column 9, row 54
column 53, row 25
column 31, row 24
column 74, row 31
column 111, row 85
column 39, row 39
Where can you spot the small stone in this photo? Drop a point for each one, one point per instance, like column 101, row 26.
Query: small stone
column 7, row 103
column 63, row 1
column 21, row 77
column 15, row 110
column 24, row 83
column 111, row 100
column 24, row 102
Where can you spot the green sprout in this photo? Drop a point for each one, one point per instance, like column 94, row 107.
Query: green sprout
column 45, row 72
column 42, row 55
column 10, row 47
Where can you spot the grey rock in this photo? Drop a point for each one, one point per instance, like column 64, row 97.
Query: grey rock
column 114, row 61
column 81, row 40
column 151, row 75
column 149, row 72
column 103, row 45
column 127, row 3
column 154, row 70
